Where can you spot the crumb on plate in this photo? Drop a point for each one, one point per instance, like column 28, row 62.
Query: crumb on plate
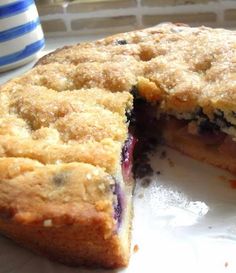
column 136, row 248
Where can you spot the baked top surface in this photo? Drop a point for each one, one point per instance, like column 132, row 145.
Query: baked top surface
column 185, row 67
column 53, row 127
column 60, row 153
column 69, row 111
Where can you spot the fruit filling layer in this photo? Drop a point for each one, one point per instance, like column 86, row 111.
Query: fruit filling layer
column 219, row 121
column 209, row 135
column 118, row 203
column 126, row 165
column 127, row 157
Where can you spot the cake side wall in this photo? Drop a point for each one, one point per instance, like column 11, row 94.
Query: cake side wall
column 81, row 244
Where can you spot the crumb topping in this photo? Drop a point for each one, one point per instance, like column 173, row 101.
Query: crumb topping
column 187, row 67
column 68, row 114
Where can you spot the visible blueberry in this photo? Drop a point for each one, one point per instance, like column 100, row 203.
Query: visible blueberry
column 126, row 148
column 60, row 179
column 220, row 120
column 134, row 91
column 206, row 126
column 200, row 113
column 121, row 42
column 118, row 205
column 125, row 151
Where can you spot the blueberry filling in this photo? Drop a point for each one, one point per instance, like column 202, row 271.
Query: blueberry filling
column 118, row 204
column 144, row 126
column 220, row 120
column 60, row 179
column 206, row 125
column 128, row 148
column 127, row 157
column 199, row 113
column 131, row 115
column 121, row 42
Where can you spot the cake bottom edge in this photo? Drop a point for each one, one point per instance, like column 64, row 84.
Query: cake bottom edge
column 76, row 245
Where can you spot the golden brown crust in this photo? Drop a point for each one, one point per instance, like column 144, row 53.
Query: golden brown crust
column 190, row 67
column 49, row 126
column 63, row 124
column 60, row 151
column 85, row 243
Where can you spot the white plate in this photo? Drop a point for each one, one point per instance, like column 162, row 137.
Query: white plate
column 185, row 221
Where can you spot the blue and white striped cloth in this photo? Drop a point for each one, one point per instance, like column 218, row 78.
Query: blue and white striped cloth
column 21, row 35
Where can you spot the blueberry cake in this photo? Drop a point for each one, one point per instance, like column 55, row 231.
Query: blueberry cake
column 67, row 133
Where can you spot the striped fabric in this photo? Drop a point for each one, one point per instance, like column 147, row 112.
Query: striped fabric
column 21, row 36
